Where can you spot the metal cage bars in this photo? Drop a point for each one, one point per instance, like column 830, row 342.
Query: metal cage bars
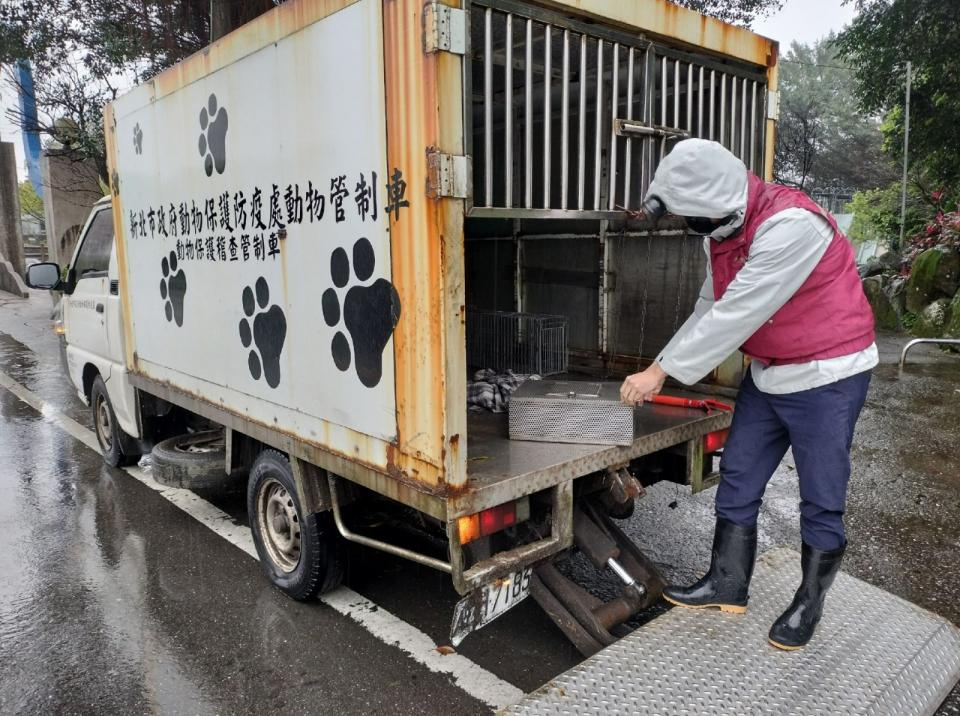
column 603, row 79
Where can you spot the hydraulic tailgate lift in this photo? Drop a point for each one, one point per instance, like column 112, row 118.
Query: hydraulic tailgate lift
column 873, row 653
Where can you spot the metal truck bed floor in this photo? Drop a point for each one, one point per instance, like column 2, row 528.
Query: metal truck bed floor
column 500, row 469
column 873, row 653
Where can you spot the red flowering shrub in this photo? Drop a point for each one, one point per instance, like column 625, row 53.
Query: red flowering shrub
column 942, row 230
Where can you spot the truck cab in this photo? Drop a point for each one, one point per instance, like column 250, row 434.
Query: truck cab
column 92, row 324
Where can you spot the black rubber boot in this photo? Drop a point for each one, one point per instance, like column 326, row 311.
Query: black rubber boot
column 796, row 625
column 727, row 583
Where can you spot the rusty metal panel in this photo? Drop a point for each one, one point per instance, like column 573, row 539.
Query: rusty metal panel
column 110, row 137
column 424, row 105
column 560, row 276
column 658, row 278
column 659, row 18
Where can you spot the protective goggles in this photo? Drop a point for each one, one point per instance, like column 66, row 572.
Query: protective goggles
column 701, row 225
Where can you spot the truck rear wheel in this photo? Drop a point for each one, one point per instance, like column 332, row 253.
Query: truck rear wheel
column 301, row 554
column 105, row 425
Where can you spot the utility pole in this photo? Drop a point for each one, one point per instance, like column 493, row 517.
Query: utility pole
column 906, row 149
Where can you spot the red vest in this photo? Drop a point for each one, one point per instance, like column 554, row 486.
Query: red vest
column 827, row 317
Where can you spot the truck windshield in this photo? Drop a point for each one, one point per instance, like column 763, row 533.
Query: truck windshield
column 94, row 256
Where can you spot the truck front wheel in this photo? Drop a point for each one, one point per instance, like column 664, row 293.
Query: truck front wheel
column 109, row 434
column 301, row 554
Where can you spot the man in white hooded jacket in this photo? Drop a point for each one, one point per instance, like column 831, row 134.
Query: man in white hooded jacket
column 782, row 286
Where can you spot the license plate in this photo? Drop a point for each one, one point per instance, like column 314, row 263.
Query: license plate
column 485, row 604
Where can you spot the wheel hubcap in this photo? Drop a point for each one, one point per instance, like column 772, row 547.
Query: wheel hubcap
column 279, row 524
column 104, row 425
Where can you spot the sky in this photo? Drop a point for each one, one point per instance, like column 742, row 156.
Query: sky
column 8, row 131
column 805, row 21
column 802, row 20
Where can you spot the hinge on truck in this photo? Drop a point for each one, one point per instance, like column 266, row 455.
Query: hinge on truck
column 773, row 105
column 448, row 175
column 444, row 29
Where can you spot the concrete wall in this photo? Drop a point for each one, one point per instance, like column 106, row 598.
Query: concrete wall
column 11, row 240
column 10, row 280
column 70, row 190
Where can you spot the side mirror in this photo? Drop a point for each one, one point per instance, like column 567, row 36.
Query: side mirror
column 43, row 276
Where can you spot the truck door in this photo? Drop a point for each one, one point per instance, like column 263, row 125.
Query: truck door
column 85, row 309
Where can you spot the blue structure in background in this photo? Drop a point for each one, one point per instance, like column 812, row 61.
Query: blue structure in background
column 28, row 112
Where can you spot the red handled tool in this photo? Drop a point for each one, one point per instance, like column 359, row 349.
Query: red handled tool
column 709, row 404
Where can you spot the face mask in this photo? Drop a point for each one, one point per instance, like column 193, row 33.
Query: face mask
column 727, row 230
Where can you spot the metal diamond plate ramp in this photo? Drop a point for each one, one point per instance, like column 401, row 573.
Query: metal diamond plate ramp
column 873, row 653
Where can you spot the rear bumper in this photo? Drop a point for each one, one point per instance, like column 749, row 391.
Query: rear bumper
column 506, row 562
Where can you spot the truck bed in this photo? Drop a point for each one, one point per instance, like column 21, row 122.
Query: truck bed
column 500, row 469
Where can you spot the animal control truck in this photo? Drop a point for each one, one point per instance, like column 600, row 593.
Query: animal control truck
column 309, row 218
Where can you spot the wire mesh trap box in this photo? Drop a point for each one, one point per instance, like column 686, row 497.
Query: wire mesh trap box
column 559, row 411
column 521, row 342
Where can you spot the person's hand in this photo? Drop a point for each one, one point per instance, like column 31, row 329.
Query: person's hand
column 644, row 385
column 633, row 214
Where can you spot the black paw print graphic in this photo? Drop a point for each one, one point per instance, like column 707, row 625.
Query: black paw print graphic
column 137, row 139
column 370, row 313
column 213, row 136
column 267, row 335
column 173, row 287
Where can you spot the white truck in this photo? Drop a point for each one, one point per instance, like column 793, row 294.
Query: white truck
column 301, row 215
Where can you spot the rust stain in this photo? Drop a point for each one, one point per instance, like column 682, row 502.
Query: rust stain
column 412, row 126
column 391, row 470
column 110, row 126
column 664, row 20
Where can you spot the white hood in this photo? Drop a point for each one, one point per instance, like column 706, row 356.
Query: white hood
column 701, row 178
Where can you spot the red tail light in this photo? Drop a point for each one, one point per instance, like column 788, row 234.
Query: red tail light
column 492, row 520
column 716, row 440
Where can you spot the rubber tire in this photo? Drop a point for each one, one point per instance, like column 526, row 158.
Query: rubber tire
column 193, row 471
column 320, row 568
column 115, row 456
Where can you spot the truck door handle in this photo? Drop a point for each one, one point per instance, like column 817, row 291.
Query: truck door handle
column 99, row 308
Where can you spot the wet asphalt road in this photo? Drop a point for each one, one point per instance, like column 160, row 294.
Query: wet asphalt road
column 113, row 600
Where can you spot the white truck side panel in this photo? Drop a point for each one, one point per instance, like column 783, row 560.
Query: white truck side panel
column 292, row 331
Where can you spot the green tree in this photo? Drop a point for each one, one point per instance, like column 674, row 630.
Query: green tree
column 30, row 203
column 877, row 44
column 738, row 12
column 85, row 52
column 876, row 214
column 823, row 138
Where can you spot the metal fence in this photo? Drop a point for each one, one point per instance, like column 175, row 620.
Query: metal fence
column 521, row 342
column 833, row 199
column 572, row 119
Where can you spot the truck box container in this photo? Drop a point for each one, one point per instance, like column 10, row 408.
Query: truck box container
column 306, row 209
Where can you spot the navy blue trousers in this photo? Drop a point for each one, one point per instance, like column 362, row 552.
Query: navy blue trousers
column 818, row 424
